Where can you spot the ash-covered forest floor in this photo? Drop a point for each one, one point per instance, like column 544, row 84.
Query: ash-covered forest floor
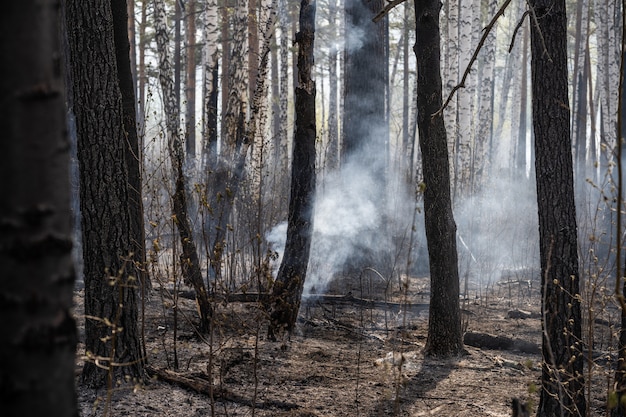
column 344, row 360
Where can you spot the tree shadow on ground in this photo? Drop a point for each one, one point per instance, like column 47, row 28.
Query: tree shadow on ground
column 431, row 372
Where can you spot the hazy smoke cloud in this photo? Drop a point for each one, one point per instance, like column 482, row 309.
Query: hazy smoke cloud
column 497, row 228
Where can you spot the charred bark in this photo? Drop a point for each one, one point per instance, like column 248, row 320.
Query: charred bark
column 37, row 356
column 133, row 150
column 444, row 324
column 111, row 334
column 287, row 290
column 562, row 391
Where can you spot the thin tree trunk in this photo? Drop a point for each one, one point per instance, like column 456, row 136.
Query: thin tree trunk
column 189, row 259
column 209, row 129
column 406, row 105
column 275, row 83
column 287, row 291
column 132, row 32
column 619, row 409
column 444, row 324
column 253, row 45
column 225, row 79
column 465, row 96
column 283, row 23
column 520, row 153
column 190, row 84
column 141, row 71
column 37, row 353
column 451, row 117
column 332, row 157
column 177, row 53
column 482, row 157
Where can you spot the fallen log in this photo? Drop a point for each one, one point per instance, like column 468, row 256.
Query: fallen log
column 201, row 384
column 311, row 300
column 488, row 341
column 522, row 314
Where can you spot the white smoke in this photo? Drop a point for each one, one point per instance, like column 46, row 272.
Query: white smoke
column 348, row 219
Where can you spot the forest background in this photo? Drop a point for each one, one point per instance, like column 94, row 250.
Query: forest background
column 213, row 151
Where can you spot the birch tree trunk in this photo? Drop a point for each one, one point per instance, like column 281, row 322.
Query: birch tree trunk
column 465, row 100
column 406, row 103
column 225, row 78
column 190, row 84
column 482, row 157
column 189, row 259
column 141, row 70
column 520, row 153
column 579, row 93
column 235, row 143
column 210, row 69
column 332, row 157
column 607, row 75
column 452, row 69
column 253, row 44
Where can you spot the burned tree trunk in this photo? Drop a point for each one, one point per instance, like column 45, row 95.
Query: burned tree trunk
column 444, row 323
column 287, row 291
column 562, row 378
column 133, row 150
column 111, row 334
column 37, row 353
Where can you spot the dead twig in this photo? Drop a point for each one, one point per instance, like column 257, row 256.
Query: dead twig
column 387, row 9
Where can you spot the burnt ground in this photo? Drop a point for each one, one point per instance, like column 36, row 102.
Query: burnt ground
column 344, row 360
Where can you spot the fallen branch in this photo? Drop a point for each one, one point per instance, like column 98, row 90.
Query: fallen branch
column 200, row 384
column 311, row 299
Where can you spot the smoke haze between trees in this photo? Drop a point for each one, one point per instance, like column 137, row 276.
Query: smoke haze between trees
column 498, row 228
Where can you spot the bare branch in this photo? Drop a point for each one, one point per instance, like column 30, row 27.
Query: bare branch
column 387, row 9
column 486, row 31
column 536, row 24
column 517, row 28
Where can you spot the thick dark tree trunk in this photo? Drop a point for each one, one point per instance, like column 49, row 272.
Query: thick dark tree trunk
column 562, row 391
column 133, row 150
column 366, row 131
column 106, row 198
column 37, row 276
column 287, row 291
column 444, row 325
